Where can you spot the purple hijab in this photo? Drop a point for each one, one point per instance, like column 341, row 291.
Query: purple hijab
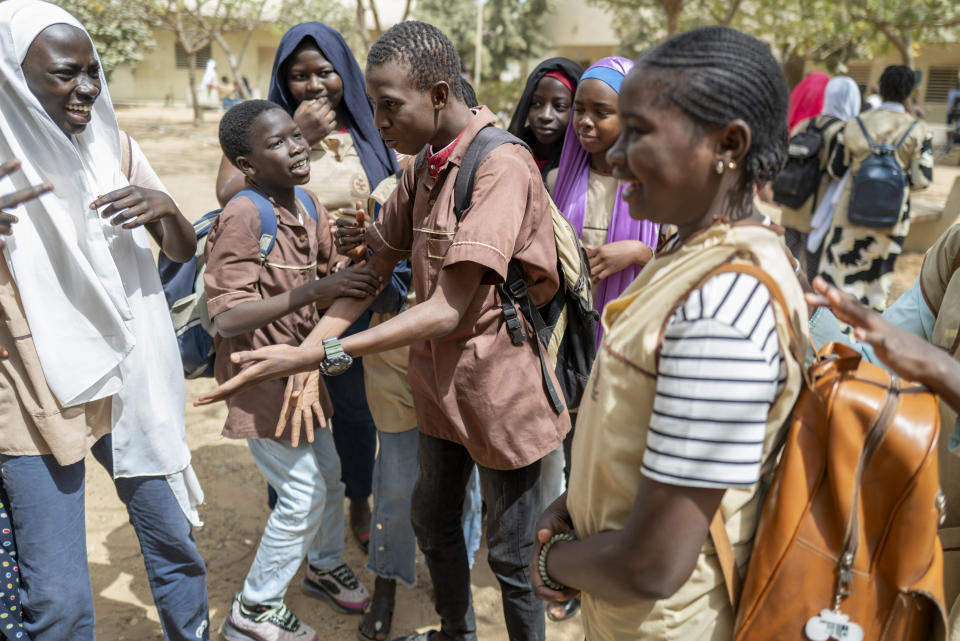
column 570, row 191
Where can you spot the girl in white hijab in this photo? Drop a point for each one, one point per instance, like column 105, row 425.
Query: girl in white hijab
column 841, row 100
column 89, row 335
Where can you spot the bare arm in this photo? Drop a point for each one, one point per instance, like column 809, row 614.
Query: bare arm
column 229, row 181
column 434, row 318
column 650, row 558
column 353, row 282
column 906, row 353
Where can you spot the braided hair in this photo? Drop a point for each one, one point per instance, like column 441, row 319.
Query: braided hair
column 896, row 83
column 428, row 53
column 717, row 75
column 236, row 124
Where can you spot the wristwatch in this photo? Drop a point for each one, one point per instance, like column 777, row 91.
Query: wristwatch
column 335, row 361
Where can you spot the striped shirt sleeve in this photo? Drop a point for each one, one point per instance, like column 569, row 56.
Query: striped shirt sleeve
column 720, row 370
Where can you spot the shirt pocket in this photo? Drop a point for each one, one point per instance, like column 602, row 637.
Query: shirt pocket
column 438, row 244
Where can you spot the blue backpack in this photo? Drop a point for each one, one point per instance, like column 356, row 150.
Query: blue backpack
column 183, row 283
column 876, row 195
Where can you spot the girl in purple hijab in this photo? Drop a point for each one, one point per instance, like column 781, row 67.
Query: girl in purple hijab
column 582, row 186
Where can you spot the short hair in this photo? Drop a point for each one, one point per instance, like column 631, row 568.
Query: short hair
column 467, row 94
column 716, row 75
column 428, row 53
column 236, row 124
column 896, row 83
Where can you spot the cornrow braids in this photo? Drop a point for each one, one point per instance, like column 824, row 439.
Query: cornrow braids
column 717, row 75
column 428, row 53
column 236, row 124
column 896, row 83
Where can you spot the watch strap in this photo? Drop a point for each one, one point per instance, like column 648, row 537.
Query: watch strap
column 332, row 348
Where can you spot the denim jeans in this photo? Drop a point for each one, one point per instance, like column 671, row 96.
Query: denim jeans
column 308, row 517
column 512, row 498
column 354, row 431
column 393, row 547
column 175, row 569
column 47, row 510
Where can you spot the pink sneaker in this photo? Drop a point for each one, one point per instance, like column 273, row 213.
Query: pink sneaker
column 339, row 587
column 264, row 624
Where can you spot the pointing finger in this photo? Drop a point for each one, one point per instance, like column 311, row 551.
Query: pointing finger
column 10, row 166
column 23, row 195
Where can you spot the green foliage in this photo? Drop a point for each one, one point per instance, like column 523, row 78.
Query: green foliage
column 119, row 29
column 335, row 14
column 512, row 29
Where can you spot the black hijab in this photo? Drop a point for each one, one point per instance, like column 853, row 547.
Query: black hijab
column 518, row 124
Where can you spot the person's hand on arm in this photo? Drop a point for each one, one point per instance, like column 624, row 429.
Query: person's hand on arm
column 650, row 558
column 905, row 353
column 606, row 260
column 133, row 206
column 9, row 201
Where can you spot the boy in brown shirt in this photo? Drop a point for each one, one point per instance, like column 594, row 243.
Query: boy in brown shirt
column 478, row 397
column 254, row 302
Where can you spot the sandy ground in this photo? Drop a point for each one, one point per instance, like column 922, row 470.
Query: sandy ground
column 186, row 158
column 235, row 511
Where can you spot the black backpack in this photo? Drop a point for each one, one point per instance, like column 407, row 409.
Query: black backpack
column 566, row 325
column 876, row 194
column 800, row 177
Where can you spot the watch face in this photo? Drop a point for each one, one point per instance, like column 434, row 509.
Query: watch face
column 338, row 364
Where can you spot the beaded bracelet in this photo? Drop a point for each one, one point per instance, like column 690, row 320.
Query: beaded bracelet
column 550, row 583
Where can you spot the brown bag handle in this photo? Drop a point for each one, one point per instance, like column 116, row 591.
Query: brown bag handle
column 728, row 564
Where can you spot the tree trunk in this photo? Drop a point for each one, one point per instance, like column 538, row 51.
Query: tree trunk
column 673, row 9
column 406, row 10
column 907, row 52
column 360, row 26
column 376, row 18
column 235, row 60
column 192, row 79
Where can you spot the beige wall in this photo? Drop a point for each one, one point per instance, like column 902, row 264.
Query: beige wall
column 156, row 77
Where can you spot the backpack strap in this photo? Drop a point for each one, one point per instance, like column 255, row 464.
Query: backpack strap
column 728, row 564
column 873, row 147
column 903, row 138
column 512, row 292
column 486, row 140
column 306, row 201
column 268, row 219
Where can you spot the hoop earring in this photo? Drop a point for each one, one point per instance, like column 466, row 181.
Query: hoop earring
column 719, row 167
column 732, row 165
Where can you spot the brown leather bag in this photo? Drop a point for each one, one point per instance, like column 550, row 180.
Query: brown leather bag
column 850, row 520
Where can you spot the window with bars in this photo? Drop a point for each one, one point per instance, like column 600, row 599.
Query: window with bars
column 940, row 80
column 200, row 58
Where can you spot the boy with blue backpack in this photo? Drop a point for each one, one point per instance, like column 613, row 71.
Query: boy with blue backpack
column 263, row 290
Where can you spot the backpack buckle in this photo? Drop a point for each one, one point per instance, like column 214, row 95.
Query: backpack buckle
column 514, row 326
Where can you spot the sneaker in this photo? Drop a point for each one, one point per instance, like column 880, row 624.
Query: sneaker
column 339, row 587
column 262, row 623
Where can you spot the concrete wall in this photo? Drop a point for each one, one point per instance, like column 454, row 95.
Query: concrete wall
column 582, row 33
column 156, row 77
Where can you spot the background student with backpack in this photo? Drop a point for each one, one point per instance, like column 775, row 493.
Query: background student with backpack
column 889, row 154
column 805, row 190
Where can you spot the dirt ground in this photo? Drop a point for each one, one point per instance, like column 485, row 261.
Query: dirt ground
column 186, row 158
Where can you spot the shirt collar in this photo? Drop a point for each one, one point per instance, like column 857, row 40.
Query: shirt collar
column 437, row 159
column 893, row 106
column 482, row 118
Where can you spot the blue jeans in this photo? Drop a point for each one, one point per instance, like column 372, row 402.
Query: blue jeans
column 308, row 517
column 393, row 547
column 354, row 431
column 512, row 498
column 47, row 510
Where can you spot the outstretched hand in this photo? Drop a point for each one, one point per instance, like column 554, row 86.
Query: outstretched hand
column 905, row 353
column 273, row 361
column 133, row 206
column 7, row 201
column 301, row 405
column 348, row 233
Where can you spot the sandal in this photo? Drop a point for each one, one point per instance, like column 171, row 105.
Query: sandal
column 361, row 531
column 569, row 608
column 383, row 619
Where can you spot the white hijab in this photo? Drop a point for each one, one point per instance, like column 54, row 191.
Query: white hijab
column 90, row 290
column 840, row 100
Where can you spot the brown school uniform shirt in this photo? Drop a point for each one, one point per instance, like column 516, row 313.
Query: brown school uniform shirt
column 302, row 252
column 474, row 387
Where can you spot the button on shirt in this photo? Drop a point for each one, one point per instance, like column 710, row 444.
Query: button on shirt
column 474, row 387
column 303, row 251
